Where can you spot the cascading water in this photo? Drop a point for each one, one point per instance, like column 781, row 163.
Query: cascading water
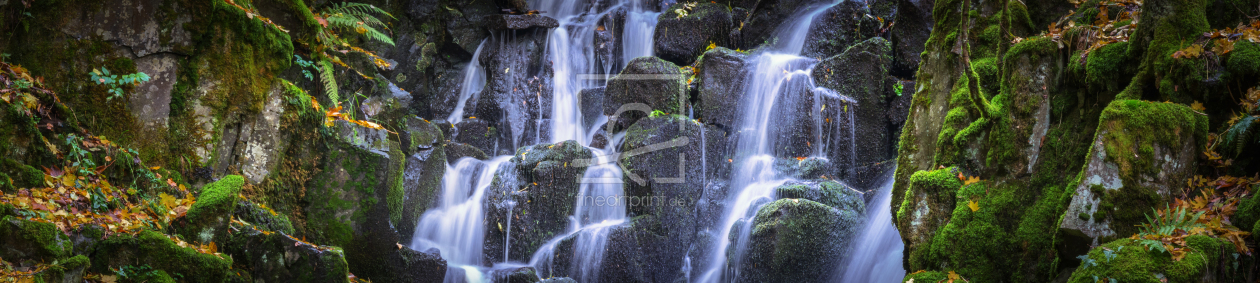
column 636, row 40
column 773, row 72
column 877, row 252
column 600, row 208
column 455, row 227
column 474, row 81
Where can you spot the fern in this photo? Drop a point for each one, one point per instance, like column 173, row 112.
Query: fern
column 357, row 17
column 330, row 82
column 1235, row 139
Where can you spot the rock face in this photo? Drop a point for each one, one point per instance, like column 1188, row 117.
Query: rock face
column 161, row 253
column 26, row 240
column 914, row 25
column 650, row 81
column 802, row 236
column 517, row 92
column 928, row 204
column 1140, row 152
column 680, row 38
column 422, row 175
column 511, row 22
column 278, row 257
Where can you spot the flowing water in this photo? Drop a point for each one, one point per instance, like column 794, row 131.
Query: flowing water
column 778, row 70
column 454, row 227
column 877, row 252
column 474, row 81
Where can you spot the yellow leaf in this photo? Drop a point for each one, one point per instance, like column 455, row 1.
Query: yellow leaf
column 711, row 46
column 1197, row 106
column 167, row 200
column 971, row 180
column 953, row 276
column 155, row 168
column 109, row 278
column 975, row 206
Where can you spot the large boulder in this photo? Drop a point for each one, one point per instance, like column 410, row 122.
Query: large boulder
column 804, row 235
column 680, row 38
column 721, row 76
column 761, row 19
column 513, row 22
column 533, row 196
column 517, row 92
column 647, row 80
column 914, row 25
column 839, row 27
column 1142, row 152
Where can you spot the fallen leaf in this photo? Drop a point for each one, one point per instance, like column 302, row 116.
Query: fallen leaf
column 975, row 206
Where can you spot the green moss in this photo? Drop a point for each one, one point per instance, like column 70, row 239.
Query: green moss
column 37, row 240
column 1248, row 212
column 158, row 251
column 1133, row 262
column 1131, row 126
column 1244, row 61
column 1106, row 68
column 395, row 196
column 208, row 216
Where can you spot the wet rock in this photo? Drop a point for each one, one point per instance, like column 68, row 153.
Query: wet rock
column 840, row 27
column 680, row 38
column 513, row 22
column 914, row 25
column 663, row 169
column 804, row 168
column 861, row 73
column 457, row 151
column 476, row 132
column 646, row 81
column 518, row 88
column 32, row 241
column 1141, row 153
column 422, row 176
column 538, row 190
column 271, row 256
column 426, row 266
column 802, row 240
column 208, row 218
column 763, row 18
column 721, row 76
column 515, row 275
column 592, row 105
column 927, row 207
column 159, row 252
column 558, row 280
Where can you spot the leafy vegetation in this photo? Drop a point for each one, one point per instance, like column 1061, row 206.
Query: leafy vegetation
column 115, row 83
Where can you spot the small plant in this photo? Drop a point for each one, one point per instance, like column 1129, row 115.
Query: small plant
column 657, row 113
column 115, row 83
column 897, row 88
column 305, row 65
column 132, row 273
column 684, row 11
column 1168, row 229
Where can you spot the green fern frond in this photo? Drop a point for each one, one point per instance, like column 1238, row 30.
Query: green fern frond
column 330, row 82
column 1237, row 137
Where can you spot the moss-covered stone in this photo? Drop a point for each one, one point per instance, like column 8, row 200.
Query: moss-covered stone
column 273, row 256
column 1126, row 260
column 32, row 240
column 797, row 240
column 926, row 207
column 208, row 218
column 161, row 253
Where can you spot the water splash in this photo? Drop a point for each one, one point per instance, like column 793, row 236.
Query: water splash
column 474, row 81
column 877, row 252
column 600, row 208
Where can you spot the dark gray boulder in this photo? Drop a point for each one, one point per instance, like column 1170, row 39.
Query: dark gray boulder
column 647, row 80
column 802, row 236
column 533, row 195
column 680, row 38
column 721, row 76
column 914, row 25
column 839, row 27
column 861, row 73
column 272, row 256
column 456, row 151
column 514, row 22
column 524, row 274
column 422, row 174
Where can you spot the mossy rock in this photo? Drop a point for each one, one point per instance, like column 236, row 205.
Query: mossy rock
column 26, row 240
column 266, row 219
column 65, row 270
column 208, row 218
column 273, row 256
column 827, row 192
column 681, row 38
column 927, row 206
column 1127, row 260
column 543, row 181
column 798, row 240
column 161, row 253
column 647, row 80
column 1141, row 152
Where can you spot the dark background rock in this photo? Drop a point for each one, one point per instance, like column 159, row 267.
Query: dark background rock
column 721, row 84
column 840, row 27
column 680, row 39
column 648, row 80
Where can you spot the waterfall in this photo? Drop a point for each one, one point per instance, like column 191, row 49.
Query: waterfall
column 474, row 81
column 571, row 49
column 600, row 208
column 877, row 252
column 773, row 72
column 636, row 40
column 455, row 226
